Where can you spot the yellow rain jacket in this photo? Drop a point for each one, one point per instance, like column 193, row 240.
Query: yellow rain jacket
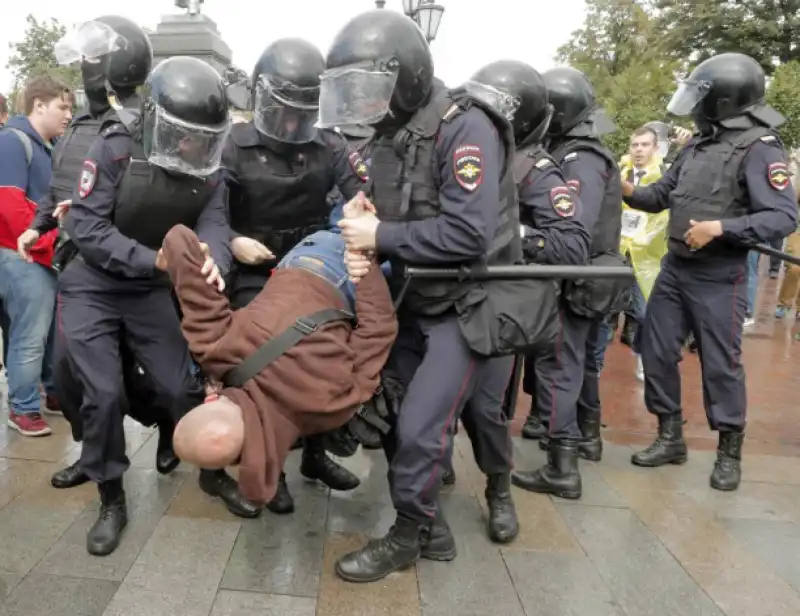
column 644, row 236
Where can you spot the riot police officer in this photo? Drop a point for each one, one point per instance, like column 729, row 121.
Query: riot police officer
column 553, row 234
column 138, row 180
column 122, row 65
column 728, row 188
column 441, row 180
column 280, row 168
column 566, row 377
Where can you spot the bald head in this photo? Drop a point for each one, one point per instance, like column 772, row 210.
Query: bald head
column 211, row 435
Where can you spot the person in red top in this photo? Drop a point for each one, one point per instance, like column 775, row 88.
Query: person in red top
column 28, row 287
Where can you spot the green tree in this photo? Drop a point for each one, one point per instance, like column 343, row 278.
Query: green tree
column 34, row 56
column 618, row 49
column 767, row 30
column 784, row 95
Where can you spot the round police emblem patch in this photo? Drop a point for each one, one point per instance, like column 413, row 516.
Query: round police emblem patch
column 561, row 200
column 87, row 179
column 468, row 166
column 778, row 174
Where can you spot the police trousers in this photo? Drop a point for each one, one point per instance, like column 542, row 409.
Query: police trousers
column 442, row 374
column 563, row 379
column 707, row 297
column 485, row 421
column 91, row 324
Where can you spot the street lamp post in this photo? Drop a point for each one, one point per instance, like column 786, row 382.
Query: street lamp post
column 427, row 15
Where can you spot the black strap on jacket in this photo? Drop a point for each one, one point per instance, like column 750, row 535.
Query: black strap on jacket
column 277, row 346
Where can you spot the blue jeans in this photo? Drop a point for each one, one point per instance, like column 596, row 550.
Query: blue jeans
column 752, row 281
column 636, row 311
column 28, row 293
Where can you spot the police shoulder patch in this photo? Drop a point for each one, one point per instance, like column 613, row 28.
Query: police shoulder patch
column 574, row 186
column 570, row 157
column 359, row 166
column 468, row 166
column 87, row 179
column 768, row 138
column 544, row 163
column 562, row 202
column 778, row 175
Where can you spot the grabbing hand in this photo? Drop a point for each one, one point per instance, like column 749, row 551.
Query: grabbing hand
column 358, row 264
column 211, row 271
column 249, row 251
column 25, row 242
column 61, row 209
column 701, row 233
column 358, row 206
column 360, row 233
column 627, row 188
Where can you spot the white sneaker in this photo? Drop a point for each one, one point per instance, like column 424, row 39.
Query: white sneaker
column 639, row 369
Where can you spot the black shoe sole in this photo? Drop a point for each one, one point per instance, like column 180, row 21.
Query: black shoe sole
column 440, row 557
column 502, row 540
column 353, row 580
column 237, row 512
column 676, row 461
column 312, row 479
column 280, row 511
column 590, row 457
column 70, row 484
column 532, row 437
column 724, row 488
column 558, row 493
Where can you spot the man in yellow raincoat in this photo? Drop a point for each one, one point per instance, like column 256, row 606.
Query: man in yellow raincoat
column 643, row 235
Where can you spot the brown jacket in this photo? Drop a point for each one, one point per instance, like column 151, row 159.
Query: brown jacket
column 315, row 386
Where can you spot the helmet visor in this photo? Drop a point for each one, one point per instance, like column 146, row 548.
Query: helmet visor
column 502, row 102
column 285, row 112
column 90, row 40
column 688, row 96
column 355, row 95
column 183, row 147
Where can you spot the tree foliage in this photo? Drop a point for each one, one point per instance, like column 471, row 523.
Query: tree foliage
column 618, row 49
column 693, row 30
column 34, row 56
column 784, row 95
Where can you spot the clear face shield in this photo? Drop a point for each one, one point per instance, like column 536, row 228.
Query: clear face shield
column 183, row 147
column 88, row 42
column 502, row 102
column 355, row 94
column 285, row 112
column 688, row 95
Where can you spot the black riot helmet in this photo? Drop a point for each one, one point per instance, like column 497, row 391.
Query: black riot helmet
column 379, row 64
column 575, row 109
column 517, row 91
column 185, row 117
column 285, row 90
column 722, row 90
column 114, row 53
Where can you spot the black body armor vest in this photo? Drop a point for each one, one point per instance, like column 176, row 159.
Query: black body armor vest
column 708, row 187
column 151, row 200
column 277, row 198
column 608, row 228
column 405, row 187
column 71, row 151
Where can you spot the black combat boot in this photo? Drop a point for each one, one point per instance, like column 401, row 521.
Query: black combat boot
column 317, row 465
column 544, row 442
column 559, row 477
column 400, row 548
column 449, row 477
column 436, row 540
column 69, row 477
column 282, row 503
column 533, row 428
column 105, row 533
column 221, row 485
column 727, row 471
column 166, row 460
column 591, row 445
column 669, row 446
column 502, row 526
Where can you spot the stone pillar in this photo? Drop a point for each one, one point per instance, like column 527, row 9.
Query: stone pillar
column 190, row 35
